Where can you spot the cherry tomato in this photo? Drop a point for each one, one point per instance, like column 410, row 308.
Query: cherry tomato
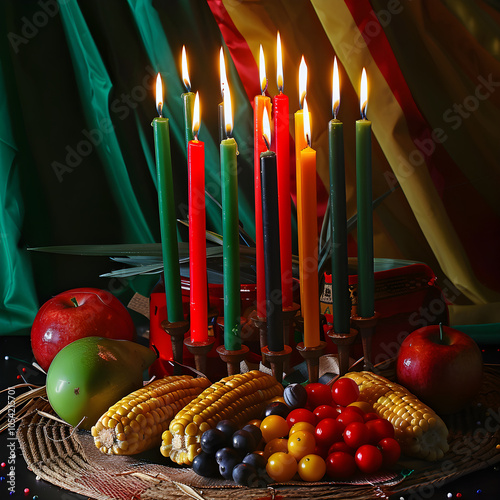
column 340, row 465
column 345, row 391
column 322, row 451
column 278, row 399
column 281, row 467
column 300, row 415
column 356, row 434
column 318, row 394
column 275, row 445
column 391, row 451
column 312, row 468
column 357, row 409
column 349, row 415
column 273, row 427
column 325, row 411
column 362, row 405
column 328, row 431
column 341, row 446
column 302, row 426
column 379, row 429
column 368, row 458
column 370, row 416
column 300, row 444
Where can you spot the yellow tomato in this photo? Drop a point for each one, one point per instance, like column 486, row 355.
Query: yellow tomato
column 273, row 427
column 312, row 468
column 281, row 467
column 300, row 444
column 362, row 405
column 277, row 399
column 302, row 426
column 275, row 445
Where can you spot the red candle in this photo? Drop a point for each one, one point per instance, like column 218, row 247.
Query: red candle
column 261, row 102
column 197, row 233
column 282, row 145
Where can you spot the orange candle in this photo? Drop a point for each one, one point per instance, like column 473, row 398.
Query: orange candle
column 308, row 239
column 261, row 102
column 198, row 317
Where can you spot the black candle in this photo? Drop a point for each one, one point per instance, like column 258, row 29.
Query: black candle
column 270, row 225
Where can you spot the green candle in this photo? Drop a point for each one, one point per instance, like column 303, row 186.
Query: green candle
column 188, row 100
column 230, row 234
column 340, row 269
column 166, row 202
column 366, row 280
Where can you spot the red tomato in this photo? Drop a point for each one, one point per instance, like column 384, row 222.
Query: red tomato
column 348, row 416
column 379, row 429
column 328, row 431
column 368, row 458
column 318, row 394
column 322, row 451
column 300, row 415
column 325, row 411
column 341, row 446
column 345, row 391
column 391, row 451
column 340, row 465
column 370, row 416
column 356, row 434
column 357, row 409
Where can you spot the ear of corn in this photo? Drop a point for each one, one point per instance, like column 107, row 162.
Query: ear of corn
column 136, row 422
column 419, row 430
column 238, row 398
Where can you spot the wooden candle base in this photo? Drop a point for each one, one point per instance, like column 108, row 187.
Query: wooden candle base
column 277, row 359
column 366, row 327
column 233, row 358
column 312, row 355
column 176, row 330
column 200, row 351
column 343, row 341
column 260, row 325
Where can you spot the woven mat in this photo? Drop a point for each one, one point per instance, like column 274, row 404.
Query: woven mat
column 69, row 459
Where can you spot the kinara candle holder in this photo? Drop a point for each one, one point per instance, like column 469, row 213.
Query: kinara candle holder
column 366, row 327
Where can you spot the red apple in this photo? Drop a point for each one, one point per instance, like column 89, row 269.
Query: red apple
column 78, row 313
column 443, row 368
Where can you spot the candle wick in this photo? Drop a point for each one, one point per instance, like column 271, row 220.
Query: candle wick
column 308, row 140
column 160, row 109
column 265, row 87
column 266, row 141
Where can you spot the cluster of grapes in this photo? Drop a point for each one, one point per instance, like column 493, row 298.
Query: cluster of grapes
column 229, row 452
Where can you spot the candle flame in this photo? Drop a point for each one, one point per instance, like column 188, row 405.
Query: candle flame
column 302, row 81
column 159, row 94
column 363, row 94
column 262, row 71
column 222, row 72
column 266, row 128
column 279, row 64
column 196, row 116
column 336, row 89
column 307, row 123
column 185, row 74
column 228, row 112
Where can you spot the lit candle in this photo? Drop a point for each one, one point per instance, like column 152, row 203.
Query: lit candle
column 198, row 318
column 340, row 270
column 271, row 226
column 300, row 140
column 188, row 99
column 222, row 73
column 261, row 102
column 366, row 279
column 166, row 202
column 282, row 145
column 308, row 249
column 230, row 234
